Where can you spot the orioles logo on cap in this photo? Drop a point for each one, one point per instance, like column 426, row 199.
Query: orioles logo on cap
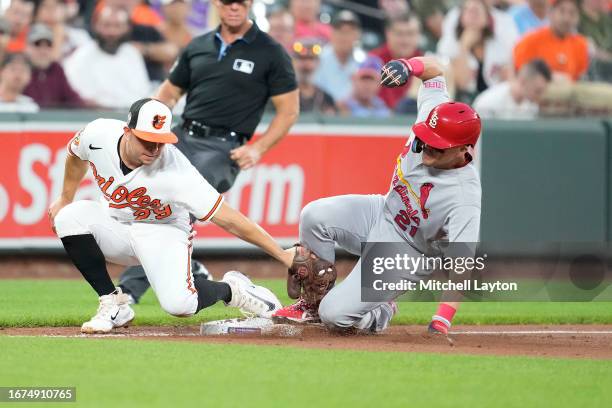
column 433, row 121
column 158, row 121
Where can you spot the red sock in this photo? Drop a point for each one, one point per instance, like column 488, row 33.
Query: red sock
column 443, row 317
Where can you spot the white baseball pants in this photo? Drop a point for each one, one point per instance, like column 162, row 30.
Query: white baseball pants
column 163, row 250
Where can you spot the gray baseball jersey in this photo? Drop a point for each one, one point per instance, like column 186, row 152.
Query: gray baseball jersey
column 423, row 205
column 426, row 204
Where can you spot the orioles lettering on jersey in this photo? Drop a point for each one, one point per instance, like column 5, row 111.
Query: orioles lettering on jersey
column 137, row 199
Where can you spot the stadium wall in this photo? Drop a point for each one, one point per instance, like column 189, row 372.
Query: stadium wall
column 542, row 181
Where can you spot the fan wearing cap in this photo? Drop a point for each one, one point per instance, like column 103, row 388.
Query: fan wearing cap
column 305, row 53
column 149, row 190
column 341, row 57
column 434, row 196
column 364, row 100
column 49, row 86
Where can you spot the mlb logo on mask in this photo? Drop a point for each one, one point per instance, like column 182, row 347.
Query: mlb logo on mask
column 244, row 66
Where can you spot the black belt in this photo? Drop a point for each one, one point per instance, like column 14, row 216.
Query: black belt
column 198, row 129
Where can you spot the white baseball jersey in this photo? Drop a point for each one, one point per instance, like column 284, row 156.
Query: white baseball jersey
column 165, row 191
column 426, row 204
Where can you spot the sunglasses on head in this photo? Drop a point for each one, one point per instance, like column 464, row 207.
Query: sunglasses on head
column 306, row 50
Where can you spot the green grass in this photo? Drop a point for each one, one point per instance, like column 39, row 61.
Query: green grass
column 156, row 373
column 128, row 373
column 70, row 302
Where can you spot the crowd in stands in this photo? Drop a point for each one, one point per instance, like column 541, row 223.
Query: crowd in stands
column 512, row 59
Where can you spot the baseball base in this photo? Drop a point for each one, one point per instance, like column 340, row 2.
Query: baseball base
column 249, row 326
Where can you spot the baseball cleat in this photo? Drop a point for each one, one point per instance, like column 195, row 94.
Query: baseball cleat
column 252, row 300
column 300, row 312
column 387, row 311
column 114, row 311
column 131, row 300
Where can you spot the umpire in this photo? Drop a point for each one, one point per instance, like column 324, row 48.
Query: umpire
column 228, row 75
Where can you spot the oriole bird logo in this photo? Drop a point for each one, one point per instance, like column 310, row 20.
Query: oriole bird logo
column 158, row 121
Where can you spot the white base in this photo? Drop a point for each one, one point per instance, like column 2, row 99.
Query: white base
column 249, row 326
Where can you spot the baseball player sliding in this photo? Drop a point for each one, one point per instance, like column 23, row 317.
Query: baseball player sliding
column 149, row 190
column 434, row 195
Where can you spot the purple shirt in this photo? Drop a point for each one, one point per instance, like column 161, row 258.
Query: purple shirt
column 197, row 18
column 50, row 88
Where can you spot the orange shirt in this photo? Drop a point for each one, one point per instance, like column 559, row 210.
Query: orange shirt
column 18, row 44
column 141, row 14
column 145, row 15
column 569, row 55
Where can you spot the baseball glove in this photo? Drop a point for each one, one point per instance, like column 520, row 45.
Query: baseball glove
column 310, row 277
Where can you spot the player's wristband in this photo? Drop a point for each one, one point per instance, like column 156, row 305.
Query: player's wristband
column 414, row 65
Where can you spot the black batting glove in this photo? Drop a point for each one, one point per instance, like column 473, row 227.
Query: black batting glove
column 393, row 74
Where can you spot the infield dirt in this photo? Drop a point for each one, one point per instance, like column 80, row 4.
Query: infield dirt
column 567, row 341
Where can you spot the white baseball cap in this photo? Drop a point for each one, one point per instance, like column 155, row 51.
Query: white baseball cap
column 150, row 120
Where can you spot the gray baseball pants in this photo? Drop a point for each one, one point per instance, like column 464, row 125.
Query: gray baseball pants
column 348, row 221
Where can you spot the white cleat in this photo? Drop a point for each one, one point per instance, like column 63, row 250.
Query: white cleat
column 114, row 311
column 252, row 300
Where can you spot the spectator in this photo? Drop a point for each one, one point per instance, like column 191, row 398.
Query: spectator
column 518, row 98
column 394, row 7
column 282, row 27
column 431, row 14
column 140, row 13
column 5, row 36
column 305, row 54
column 530, row 15
column 19, row 15
column 479, row 58
column 158, row 53
column 15, row 72
column 48, row 86
column 145, row 26
column 402, row 34
column 174, row 27
column 596, row 24
column 503, row 23
column 364, row 101
column 109, row 71
column 341, row 57
column 66, row 39
column 306, row 16
column 372, row 21
column 565, row 52
column 200, row 18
